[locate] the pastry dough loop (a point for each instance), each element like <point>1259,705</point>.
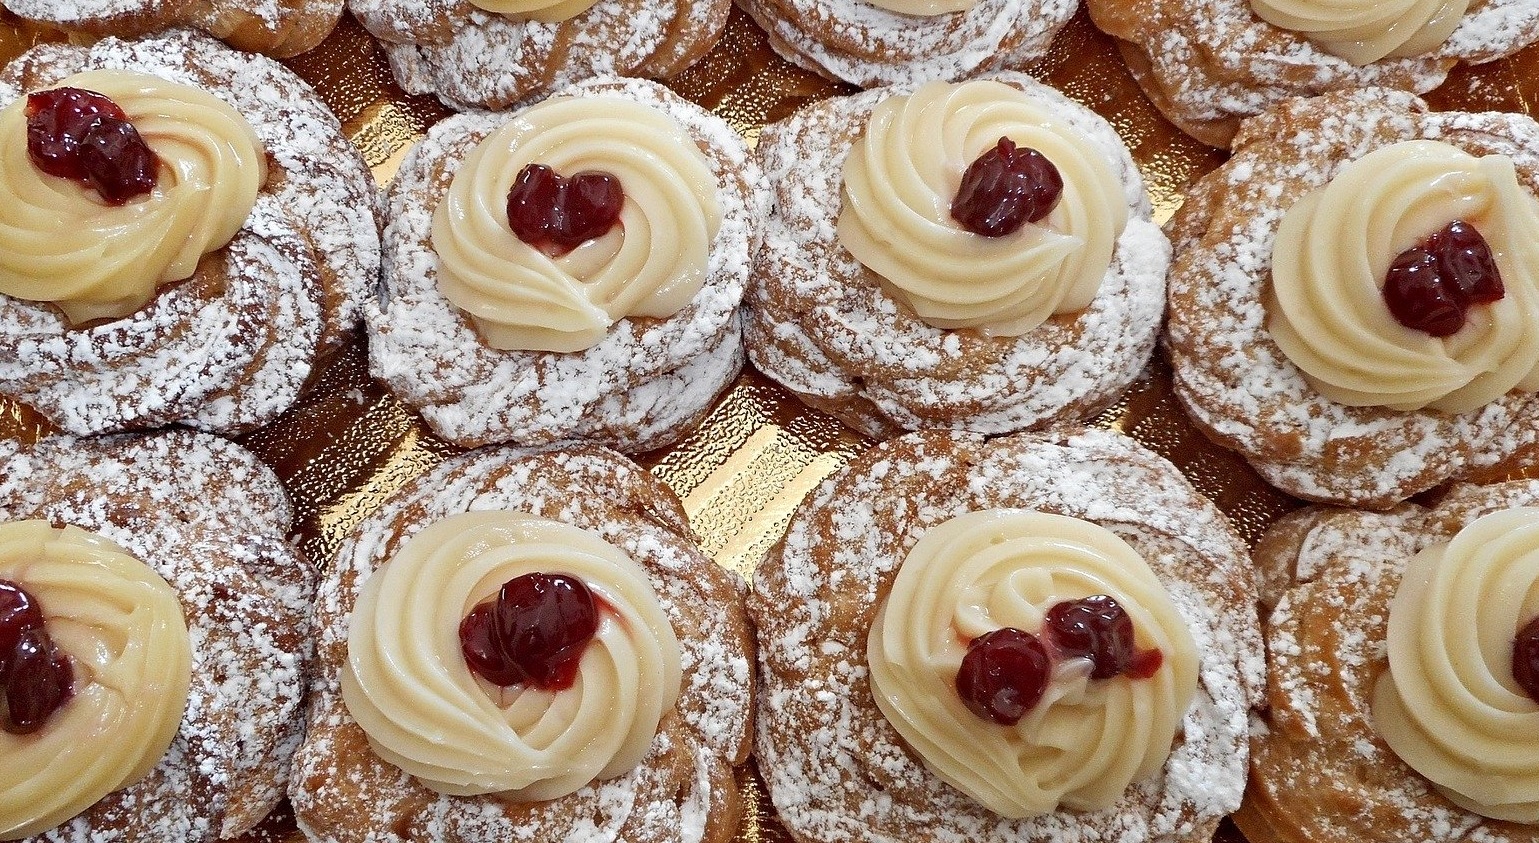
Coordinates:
<point>407,684</point>
<point>900,178</point>
<point>1364,31</point>
<point>1325,306</point>
<point>651,264</point>
<point>1086,741</point>
<point>1448,705</point>
<point>60,243</point>
<point>122,627</point>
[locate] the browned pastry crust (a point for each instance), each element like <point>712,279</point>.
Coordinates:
<point>213,522</point>
<point>820,323</point>
<point>473,58</point>
<point>228,349</point>
<point>1320,773</point>
<point>1230,375</point>
<point>278,28</point>
<point>838,772</point>
<point>342,792</point>
<point>1208,64</point>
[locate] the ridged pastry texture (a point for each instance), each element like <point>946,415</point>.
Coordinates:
<point>820,323</point>
<point>1230,375</point>
<point>645,384</point>
<point>1208,64</point>
<point>278,28</point>
<point>1320,771</point>
<point>837,771</point>
<point>228,349</point>
<point>683,791</point>
<point>213,522</point>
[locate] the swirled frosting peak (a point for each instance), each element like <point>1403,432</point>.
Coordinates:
<point>1364,31</point>
<point>902,174</point>
<point>543,11</point>
<point>924,8</point>
<point>60,243</point>
<point>651,264</point>
<point>1325,305</point>
<point>1085,741</point>
<point>1449,705</point>
<point>122,627</point>
<point>407,684</point>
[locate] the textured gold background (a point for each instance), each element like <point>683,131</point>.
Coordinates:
<point>349,444</point>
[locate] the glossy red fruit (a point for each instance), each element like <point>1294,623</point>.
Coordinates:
<point>116,161</point>
<point>483,656</point>
<point>1095,627</point>
<point>1464,259</point>
<point>1525,659</point>
<point>18,612</point>
<point>36,678</point>
<point>1007,187</point>
<point>542,623</point>
<point>1003,675</point>
<point>1419,297</point>
<point>84,136</point>
<point>559,214</point>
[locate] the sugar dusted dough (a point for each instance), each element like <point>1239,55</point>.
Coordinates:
<point>278,28</point>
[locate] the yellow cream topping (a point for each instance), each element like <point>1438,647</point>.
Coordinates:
<point>408,686</point>
<point>1085,741</point>
<point>900,179</point>
<point>536,10</point>
<point>1325,305</point>
<point>122,627</point>
<point>1364,31</point>
<point>60,243</point>
<point>1449,705</point>
<point>651,264</point>
<point>923,7</point>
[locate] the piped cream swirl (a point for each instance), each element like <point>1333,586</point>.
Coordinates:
<point>924,8</point>
<point>1449,705</point>
<point>543,11</point>
<point>1364,31</point>
<point>902,174</point>
<point>651,264</point>
<point>407,684</point>
<point>60,243</point>
<point>1086,741</point>
<point>122,627</point>
<point>1325,305</point>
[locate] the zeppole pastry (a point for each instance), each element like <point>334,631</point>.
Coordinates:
<point>906,42</point>
<point>976,255</point>
<point>1037,637</point>
<point>154,622</point>
<point>499,53</point>
<point>569,271</point>
<point>1354,304</point>
<point>183,230</point>
<point>1403,684</point>
<point>278,28</point>
<point>527,645</point>
<point>1208,64</point>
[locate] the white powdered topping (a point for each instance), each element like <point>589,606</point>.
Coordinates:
<point>643,385</point>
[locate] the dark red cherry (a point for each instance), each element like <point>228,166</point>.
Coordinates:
<point>1006,188</point>
<point>1464,259</point>
<point>1525,659</point>
<point>1096,628</point>
<point>1419,297</point>
<point>38,682</point>
<point>117,162</point>
<point>84,136</point>
<point>559,214</point>
<point>481,654</point>
<point>17,613</point>
<point>1003,675</point>
<point>541,623</point>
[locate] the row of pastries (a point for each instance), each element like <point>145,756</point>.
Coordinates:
<point>995,625</point>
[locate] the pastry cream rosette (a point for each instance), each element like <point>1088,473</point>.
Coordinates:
<point>899,181</point>
<point>651,264</point>
<point>1449,705</point>
<point>1325,308</point>
<point>60,243</point>
<point>1085,741</point>
<point>122,627</point>
<point>1364,31</point>
<point>408,686</point>
<point>923,8</point>
<point>543,11</point>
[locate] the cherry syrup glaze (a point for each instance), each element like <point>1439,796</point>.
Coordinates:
<point>1525,659</point>
<point>1431,286</point>
<point>533,633</point>
<point>1007,187</point>
<point>37,679</point>
<point>85,137</point>
<point>557,214</point>
<point>1005,672</point>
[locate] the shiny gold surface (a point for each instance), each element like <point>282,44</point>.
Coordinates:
<point>349,444</point>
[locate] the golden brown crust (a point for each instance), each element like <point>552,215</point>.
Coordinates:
<point>279,29</point>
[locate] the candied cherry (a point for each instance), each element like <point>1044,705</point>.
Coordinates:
<point>1005,188</point>
<point>1003,675</point>
<point>1096,628</point>
<point>1430,287</point>
<point>533,633</point>
<point>37,679</point>
<point>1525,659</point>
<point>84,136</point>
<point>557,214</point>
